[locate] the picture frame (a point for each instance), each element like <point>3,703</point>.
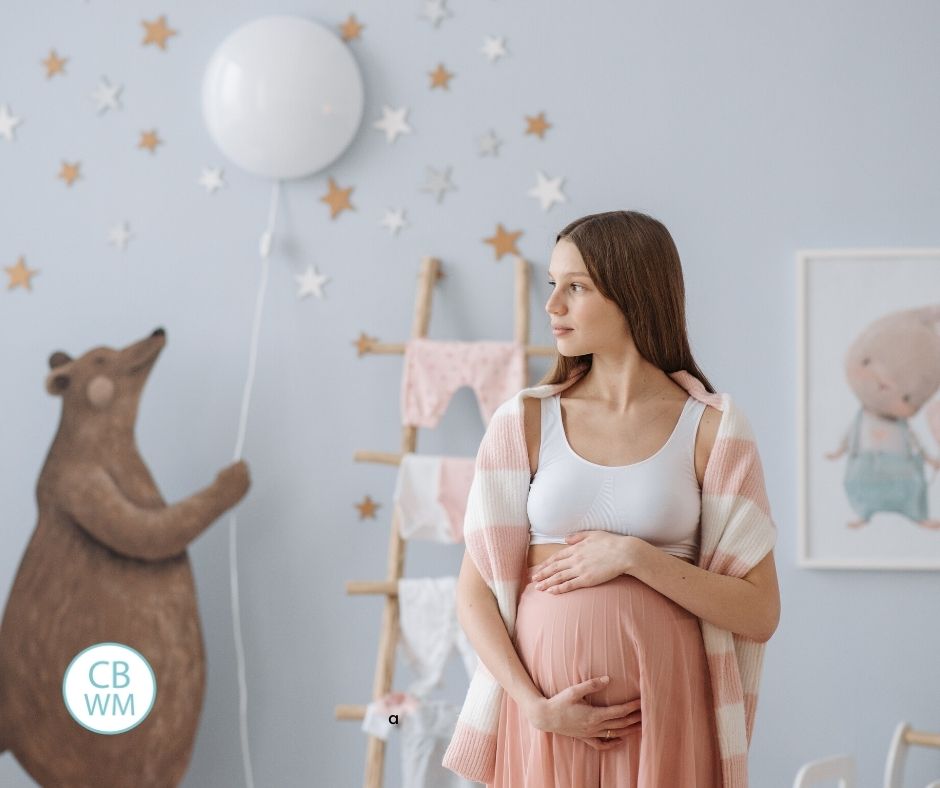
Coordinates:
<point>860,510</point>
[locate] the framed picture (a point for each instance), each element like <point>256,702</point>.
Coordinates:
<point>868,408</point>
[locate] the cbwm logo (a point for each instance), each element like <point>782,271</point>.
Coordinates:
<point>109,688</point>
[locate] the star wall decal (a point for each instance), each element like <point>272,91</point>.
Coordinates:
<point>547,190</point>
<point>337,199</point>
<point>119,235</point>
<point>157,32</point>
<point>211,179</point>
<point>367,508</point>
<point>436,11</point>
<point>494,48</point>
<point>394,220</point>
<point>351,28</point>
<point>70,172</point>
<point>503,242</point>
<point>149,140</point>
<point>440,77</point>
<point>54,64</point>
<point>311,283</point>
<point>438,182</point>
<point>393,123</point>
<point>489,144</point>
<point>364,343</point>
<point>8,123</point>
<point>20,275</point>
<point>537,125</point>
<point>106,95</point>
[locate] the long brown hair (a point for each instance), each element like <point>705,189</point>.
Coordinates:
<point>633,261</point>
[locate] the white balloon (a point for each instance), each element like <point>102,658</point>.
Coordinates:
<point>282,97</point>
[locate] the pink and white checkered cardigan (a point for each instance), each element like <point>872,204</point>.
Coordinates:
<point>737,532</point>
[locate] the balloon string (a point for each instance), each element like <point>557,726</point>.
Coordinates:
<point>265,249</point>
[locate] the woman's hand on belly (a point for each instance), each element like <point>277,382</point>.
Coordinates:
<point>568,714</point>
<point>592,558</point>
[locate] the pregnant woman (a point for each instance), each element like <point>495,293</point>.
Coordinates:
<point>619,581</point>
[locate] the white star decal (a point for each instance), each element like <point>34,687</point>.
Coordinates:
<point>106,95</point>
<point>393,123</point>
<point>8,122</point>
<point>211,179</point>
<point>548,191</point>
<point>438,182</point>
<point>435,11</point>
<point>311,283</point>
<point>489,144</point>
<point>494,48</point>
<point>394,220</point>
<point>119,235</point>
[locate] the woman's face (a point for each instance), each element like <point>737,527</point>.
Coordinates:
<point>596,323</point>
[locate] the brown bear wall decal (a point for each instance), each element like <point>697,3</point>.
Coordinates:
<point>107,562</point>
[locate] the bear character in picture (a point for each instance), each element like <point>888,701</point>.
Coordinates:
<point>106,563</point>
<point>893,368</point>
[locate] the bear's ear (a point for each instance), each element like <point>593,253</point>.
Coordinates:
<point>57,382</point>
<point>59,358</point>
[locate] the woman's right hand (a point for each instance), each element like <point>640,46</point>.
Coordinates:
<point>566,713</point>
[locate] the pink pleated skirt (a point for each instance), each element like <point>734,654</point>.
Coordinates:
<point>652,649</point>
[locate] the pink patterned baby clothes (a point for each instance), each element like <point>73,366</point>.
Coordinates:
<point>434,370</point>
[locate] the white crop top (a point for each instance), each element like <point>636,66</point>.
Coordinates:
<point>657,499</point>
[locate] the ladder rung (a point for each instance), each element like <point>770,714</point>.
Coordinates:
<point>387,587</point>
<point>390,348</point>
<point>387,457</point>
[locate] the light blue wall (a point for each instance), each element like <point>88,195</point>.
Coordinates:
<point>749,129</point>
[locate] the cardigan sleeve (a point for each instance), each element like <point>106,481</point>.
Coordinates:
<point>496,533</point>
<point>496,524</point>
<point>737,532</point>
<point>734,500</point>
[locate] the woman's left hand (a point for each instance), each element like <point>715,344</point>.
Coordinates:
<point>594,557</point>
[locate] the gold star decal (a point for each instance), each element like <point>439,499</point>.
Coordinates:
<point>19,274</point>
<point>54,64</point>
<point>149,140</point>
<point>364,343</point>
<point>503,242</point>
<point>537,125</point>
<point>70,172</point>
<point>367,508</point>
<point>157,32</point>
<point>337,199</point>
<point>351,28</point>
<point>440,77</point>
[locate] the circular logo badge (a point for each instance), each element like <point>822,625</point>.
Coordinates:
<point>109,688</point>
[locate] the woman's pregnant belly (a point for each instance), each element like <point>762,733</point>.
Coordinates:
<point>623,628</point>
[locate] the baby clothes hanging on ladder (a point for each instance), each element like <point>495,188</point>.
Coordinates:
<point>377,713</point>
<point>425,734</point>
<point>431,496</point>
<point>430,630</point>
<point>434,370</point>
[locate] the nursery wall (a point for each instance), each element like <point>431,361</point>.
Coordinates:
<point>750,130</point>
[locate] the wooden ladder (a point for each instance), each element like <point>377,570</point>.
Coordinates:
<point>388,635</point>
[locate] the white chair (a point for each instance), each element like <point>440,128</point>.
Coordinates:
<point>904,737</point>
<point>836,767</point>
<point>842,767</point>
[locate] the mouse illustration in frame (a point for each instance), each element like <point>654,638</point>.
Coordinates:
<point>893,367</point>
<point>107,562</point>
